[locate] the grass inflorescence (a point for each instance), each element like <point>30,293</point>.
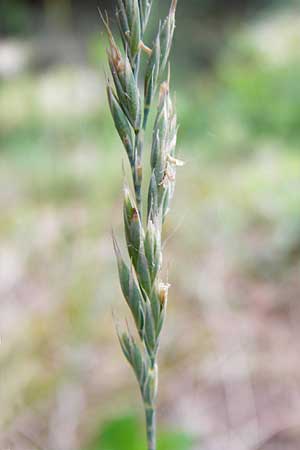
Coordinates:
<point>141,281</point>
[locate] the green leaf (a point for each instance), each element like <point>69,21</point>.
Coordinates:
<point>175,441</point>
<point>126,432</point>
<point>121,433</point>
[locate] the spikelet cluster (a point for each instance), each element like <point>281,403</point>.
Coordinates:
<point>144,291</point>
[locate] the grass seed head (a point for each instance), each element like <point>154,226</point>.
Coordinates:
<point>140,279</point>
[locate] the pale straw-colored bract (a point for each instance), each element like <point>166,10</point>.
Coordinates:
<point>143,289</point>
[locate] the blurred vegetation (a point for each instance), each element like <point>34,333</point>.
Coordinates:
<point>126,432</point>
<point>14,17</point>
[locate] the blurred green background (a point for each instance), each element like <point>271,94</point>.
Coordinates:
<point>229,360</point>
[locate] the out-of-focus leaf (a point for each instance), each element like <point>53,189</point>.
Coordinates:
<point>121,433</point>
<point>175,441</point>
<point>128,433</point>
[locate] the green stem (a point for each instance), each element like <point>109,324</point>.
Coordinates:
<point>151,428</point>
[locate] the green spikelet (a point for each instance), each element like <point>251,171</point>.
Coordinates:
<point>140,277</point>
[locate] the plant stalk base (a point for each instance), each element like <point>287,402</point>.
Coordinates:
<point>151,428</point>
